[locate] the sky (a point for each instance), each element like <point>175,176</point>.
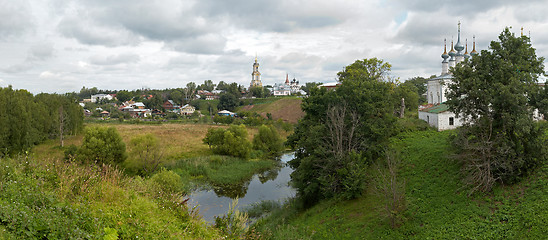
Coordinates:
<point>63,45</point>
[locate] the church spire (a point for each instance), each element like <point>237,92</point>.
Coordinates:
<point>473,52</point>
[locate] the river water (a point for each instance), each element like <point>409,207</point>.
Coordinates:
<point>272,184</point>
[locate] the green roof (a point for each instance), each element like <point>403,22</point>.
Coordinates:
<point>437,109</point>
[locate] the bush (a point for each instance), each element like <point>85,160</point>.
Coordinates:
<point>168,181</point>
<point>103,145</point>
<point>145,154</point>
<point>268,140</point>
<point>232,141</point>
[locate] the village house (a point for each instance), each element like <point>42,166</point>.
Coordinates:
<point>170,106</point>
<point>187,109</point>
<point>98,97</point>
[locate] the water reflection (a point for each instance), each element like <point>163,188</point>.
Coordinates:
<point>268,185</point>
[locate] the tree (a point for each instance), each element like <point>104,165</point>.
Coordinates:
<point>145,154</point>
<point>268,140</point>
<point>208,85</point>
<point>419,85</point>
<point>342,132</point>
<point>102,145</point>
<point>123,96</point>
<point>257,91</point>
<point>494,92</point>
<point>176,96</point>
<point>309,85</point>
<point>232,141</point>
<point>189,91</point>
<point>227,101</point>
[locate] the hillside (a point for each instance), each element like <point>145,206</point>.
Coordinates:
<point>438,205</point>
<point>287,109</point>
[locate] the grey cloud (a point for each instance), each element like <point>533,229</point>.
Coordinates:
<point>114,59</point>
<point>88,32</point>
<point>36,54</point>
<point>264,15</point>
<point>16,18</point>
<point>203,44</point>
<point>41,51</point>
<point>459,8</point>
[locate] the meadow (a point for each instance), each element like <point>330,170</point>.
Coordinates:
<point>62,199</point>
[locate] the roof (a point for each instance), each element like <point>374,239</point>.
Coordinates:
<point>437,108</point>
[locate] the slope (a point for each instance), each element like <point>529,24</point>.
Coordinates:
<point>438,205</point>
<point>287,109</point>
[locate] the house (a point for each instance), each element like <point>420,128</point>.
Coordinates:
<point>226,113</point>
<point>187,109</point>
<point>105,114</point>
<point>170,106</point>
<point>135,109</point>
<point>99,97</point>
<point>440,117</point>
<point>330,86</point>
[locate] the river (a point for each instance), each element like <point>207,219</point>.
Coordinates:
<point>272,184</point>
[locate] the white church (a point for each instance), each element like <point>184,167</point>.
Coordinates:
<point>436,112</point>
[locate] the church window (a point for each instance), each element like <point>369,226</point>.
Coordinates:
<point>451,121</point>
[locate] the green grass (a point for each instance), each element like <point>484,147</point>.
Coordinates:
<point>438,205</point>
<point>53,199</point>
<point>220,170</point>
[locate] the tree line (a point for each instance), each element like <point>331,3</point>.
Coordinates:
<point>27,120</point>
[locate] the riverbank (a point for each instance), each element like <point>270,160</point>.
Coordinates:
<point>438,205</point>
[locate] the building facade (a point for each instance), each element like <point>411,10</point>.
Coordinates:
<point>436,112</point>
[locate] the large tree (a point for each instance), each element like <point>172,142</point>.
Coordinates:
<point>342,131</point>
<point>495,93</point>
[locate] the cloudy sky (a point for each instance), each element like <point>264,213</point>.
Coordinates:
<point>62,45</point>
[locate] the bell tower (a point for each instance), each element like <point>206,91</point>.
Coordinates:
<point>256,75</point>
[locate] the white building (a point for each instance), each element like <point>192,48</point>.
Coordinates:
<point>436,112</point>
<point>287,88</point>
<point>100,97</point>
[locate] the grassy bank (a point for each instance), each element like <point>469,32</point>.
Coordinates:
<point>48,198</point>
<point>438,205</point>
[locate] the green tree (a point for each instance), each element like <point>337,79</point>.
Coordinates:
<point>232,141</point>
<point>342,132</point>
<point>268,140</point>
<point>228,101</point>
<point>309,86</point>
<point>102,145</point>
<point>189,91</point>
<point>418,84</point>
<point>208,85</point>
<point>145,155</point>
<point>494,92</point>
<point>123,96</point>
<point>257,91</point>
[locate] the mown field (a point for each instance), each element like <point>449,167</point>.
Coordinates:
<point>288,108</point>
<point>438,205</point>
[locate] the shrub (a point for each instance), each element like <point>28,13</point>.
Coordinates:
<point>268,140</point>
<point>168,181</point>
<point>103,145</point>
<point>232,141</point>
<point>145,154</point>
